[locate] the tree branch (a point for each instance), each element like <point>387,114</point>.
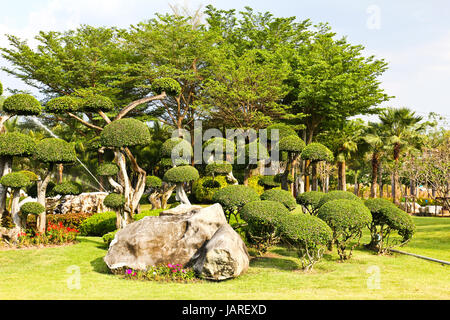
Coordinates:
<point>136,103</point>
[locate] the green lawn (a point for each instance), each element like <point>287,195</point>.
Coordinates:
<point>43,274</point>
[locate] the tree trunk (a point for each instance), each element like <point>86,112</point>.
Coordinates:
<point>373,187</point>
<point>155,200</point>
<point>60,168</point>
<point>314,176</point>
<point>181,194</point>
<point>307,185</point>
<point>41,191</point>
<point>342,183</point>
<point>6,168</point>
<point>15,209</point>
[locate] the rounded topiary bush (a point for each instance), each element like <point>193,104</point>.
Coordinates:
<point>263,218</point>
<point>346,218</point>
<point>218,168</point>
<point>16,144</point>
<point>336,195</point>
<point>178,147</point>
<point>310,200</point>
<point>53,150</point>
<point>168,85</point>
<point>234,197</point>
<point>114,201</point>
<point>308,235</point>
<point>283,131</point>
<point>153,182</point>
<point>107,169</point>
<point>291,143</point>
<point>68,188</point>
<point>399,220</point>
<point>269,182</point>
<point>96,103</point>
<point>126,132</point>
<point>15,180</point>
<point>31,175</point>
<point>204,188</point>
<point>282,196</point>
<point>317,152</point>
<point>98,224</point>
<point>220,145</point>
<point>22,104</point>
<point>63,104</point>
<point>32,208</point>
<point>181,174</point>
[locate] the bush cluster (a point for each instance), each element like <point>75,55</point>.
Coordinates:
<point>291,143</point>
<point>269,182</point>
<point>16,144</point>
<point>15,180</point>
<point>53,150</point>
<point>34,208</point>
<point>68,188</point>
<point>127,132</point>
<point>96,103</point>
<point>98,224</point>
<point>218,168</point>
<point>114,201</point>
<point>283,131</point>
<point>181,174</point>
<point>22,104</point>
<point>153,182</point>
<point>202,190</point>
<point>234,197</point>
<point>178,146</point>
<point>317,152</point>
<point>63,104</point>
<point>282,196</point>
<point>337,195</point>
<point>310,200</point>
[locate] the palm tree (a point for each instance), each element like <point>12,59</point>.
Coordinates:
<point>402,131</point>
<point>375,140</point>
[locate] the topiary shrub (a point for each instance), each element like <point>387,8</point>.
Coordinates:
<point>16,144</point>
<point>268,182</point>
<point>204,188</point>
<point>98,224</point>
<point>63,104</point>
<point>15,180</point>
<point>107,169</point>
<point>153,182</point>
<point>263,218</point>
<point>109,237</point>
<point>233,198</point>
<point>292,144</point>
<point>386,220</point>
<point>317,152</point>
<point>96,103</point>
<point>336,195</point>
<point>180,148</point>
<point>308,234</point>
<point>282,196</point>
<point>218,168</point>
<point>283,131</point>
<point>346,219</point>
<point>22,104</point>
<point>126,132</point>
<point>114,201</point>
<point>53,150</point>
<point>168,85</point>
<point>34,208</point>
<point>310,200</point>
<point>31,175</point>
<point>219,147</point>
<point>68,188</point>
<point>178,176</point>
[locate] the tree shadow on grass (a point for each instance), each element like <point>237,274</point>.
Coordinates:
<point>100,245</point>
<point>274,262</point>
<point>100,266</point>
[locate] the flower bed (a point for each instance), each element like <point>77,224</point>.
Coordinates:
<point>55,234</point>
<point>163,273</point>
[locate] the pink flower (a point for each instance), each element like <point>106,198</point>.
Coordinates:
<point>170,266</point>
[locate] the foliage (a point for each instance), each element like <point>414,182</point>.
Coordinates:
<point>234,197</point>
<point>170,86</point>
<point>32,190</point>
<point>1,89</point>
<point>181,174</point>
<point>16,144</point>
<point>346,218</point>
<point>219,147</point>
<point>54,234</point>
<point>284,131</point>
<point>310,200</point>
<point>107,169</point>
<point>317,152</point>
<point>263,218</point>
<point>109,237</point>
<point>268,182</point>
<point>126,132</point>
<point>164,273</point>
<point>114,201</point>
<point>253,182</point>
<point>178,146</point>
<point>218,168</point>
<point>31,175</point>
<point>292,144</point>
<point>282,196</point>
<point>203,193</point>
<point>22,104</point>
<point>337,194</point>
<point>98,224</point>
<point>32,208</point>
<point>70,220</point>
<point>153,182</point>
<point>54,150</point>
<point>211,184</point>
<point>308,235</point>
<point>15,180</point>
<point>63,104</point>
<point>68,188</point>
<point>96,103</point>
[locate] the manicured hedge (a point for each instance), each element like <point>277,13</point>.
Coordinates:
<point>218,168</point>
<point>53,150</point>
<point>22,104</point>
<point>126,132</point>
<point>291,143</point>
<point>235,196</point>
<point>68,188</point>
<point>180,147</point>
<point>269,182</point>
<point>219,144</point>
<point>98,224</point>
<point>153,182</point>
<point>16,144</point>
<point>96,103</point>
<point>15,180</point>
<point>282,196</point>
<point>310,200</point>
<point>337,194</point>
<point>32,208</point>
<point>63,104</point>
<point>114,201</point>
<point>168,85</point>
<point>283,131</point>
<point>317,152</point>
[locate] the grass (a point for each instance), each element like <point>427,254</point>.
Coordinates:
<point>44,274</point>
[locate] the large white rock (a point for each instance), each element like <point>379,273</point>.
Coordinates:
<point>91,202</point>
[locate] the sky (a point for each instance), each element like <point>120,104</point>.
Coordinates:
<point>412,36</point>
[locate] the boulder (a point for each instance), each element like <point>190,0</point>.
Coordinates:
<point>164,239</point>
<point>180,209</point>
<point>224,256</point>
<point>91,202</point>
